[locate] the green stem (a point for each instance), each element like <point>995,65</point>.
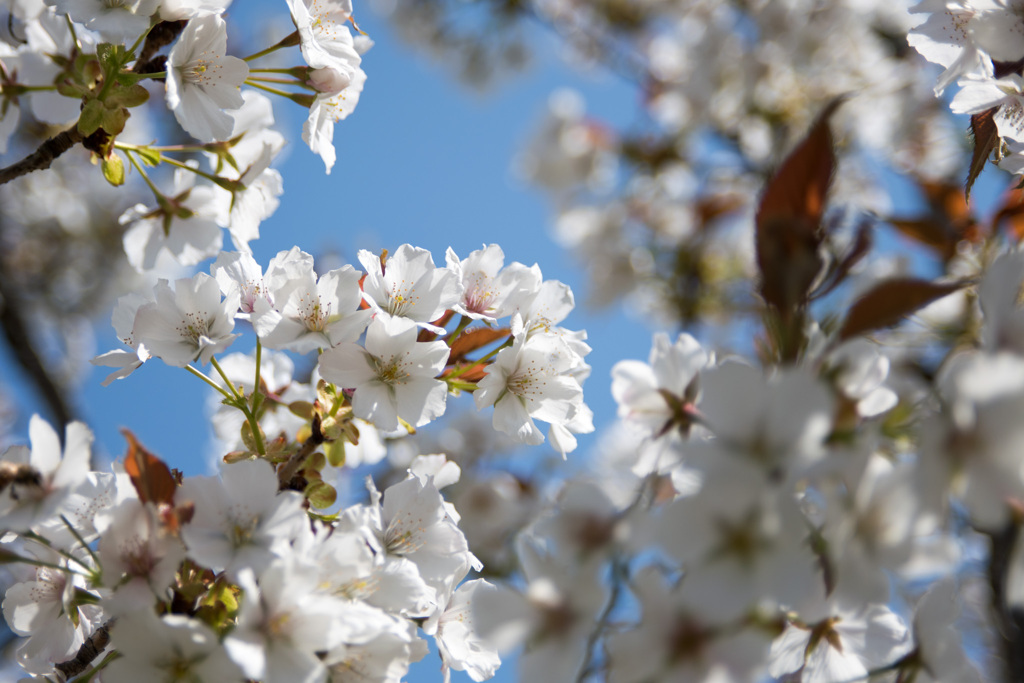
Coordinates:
<point>288,41</point>
<point>256,384</point>
<point>464,322</point>
<point>138,167</point>
<point>43,541</point>
<point>224,376</point>
<point>74,36</point>
<point>78,537</point>
<point>244,407</point>
<point>138,41</point>
<point>272,91</point>
<point>460,385</point>
<point>202,174</point>
<point>272,71</point>
<point>200,375</point>
<point>139,77</point>
<point>282,81</point>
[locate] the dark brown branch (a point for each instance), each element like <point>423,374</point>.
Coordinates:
<point>90,650</point>
<point>18,337</point>
<point>42,157</point>
<point>1007,619</point>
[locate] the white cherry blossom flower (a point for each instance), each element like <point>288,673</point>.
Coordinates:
<point>138,556</point>
<point>43,610</point>
<point>188,323</point>
<point>176,10</point>
<point>203,81</point>
<point>529,381</point>
<point>123,320</point>
<point>241,520</point>
<point>324,35</point>
<point>394,376</point>
<point>461,648</point>
<point>944,38</point>
<point>490,290</point>
<point>409,286</point>
<point>681,642</point>
<point>307,313</point>
<point>326,110</point>
<point>287,619</point>
<point>980,93</point>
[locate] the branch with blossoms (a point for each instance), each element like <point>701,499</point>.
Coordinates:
<point>249,568</point>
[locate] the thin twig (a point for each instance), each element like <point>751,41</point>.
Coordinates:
<point>291,467</point>
<point>42,157</point>
<point>90,650</point>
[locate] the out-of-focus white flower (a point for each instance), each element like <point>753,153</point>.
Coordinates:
<point>203,81</point>
<point>840,642</point>
<point>138,557</point>
<point>48,480</point>
<point>176,10</point>
<point>680,642</point>
<point>172,647</point>
<point>44,609</point>
<point>117,22</point>
<point>189,239</point>
<point>938,643</point>
<point>656,395</point>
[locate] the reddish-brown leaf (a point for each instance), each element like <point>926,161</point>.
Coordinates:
<point>471,340</point>
<point>789,218</point>
<point>1011,215</point>
<point>937,235</point>
<point>986,138</point>
<point>151,478</point>
<point>890,301</point>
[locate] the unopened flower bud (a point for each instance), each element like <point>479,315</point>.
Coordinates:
<point>329,81</point>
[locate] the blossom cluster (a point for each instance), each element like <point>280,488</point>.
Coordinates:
<point>239,576</point>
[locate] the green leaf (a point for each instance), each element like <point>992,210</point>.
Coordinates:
<point>247,437</point>
<point>111,56</point>
<point>91,118</point>
<point>114,120</point>
<point>113,169</point>
<point>321,495</point>
<point>127,96</point>
<point>303,409</point>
